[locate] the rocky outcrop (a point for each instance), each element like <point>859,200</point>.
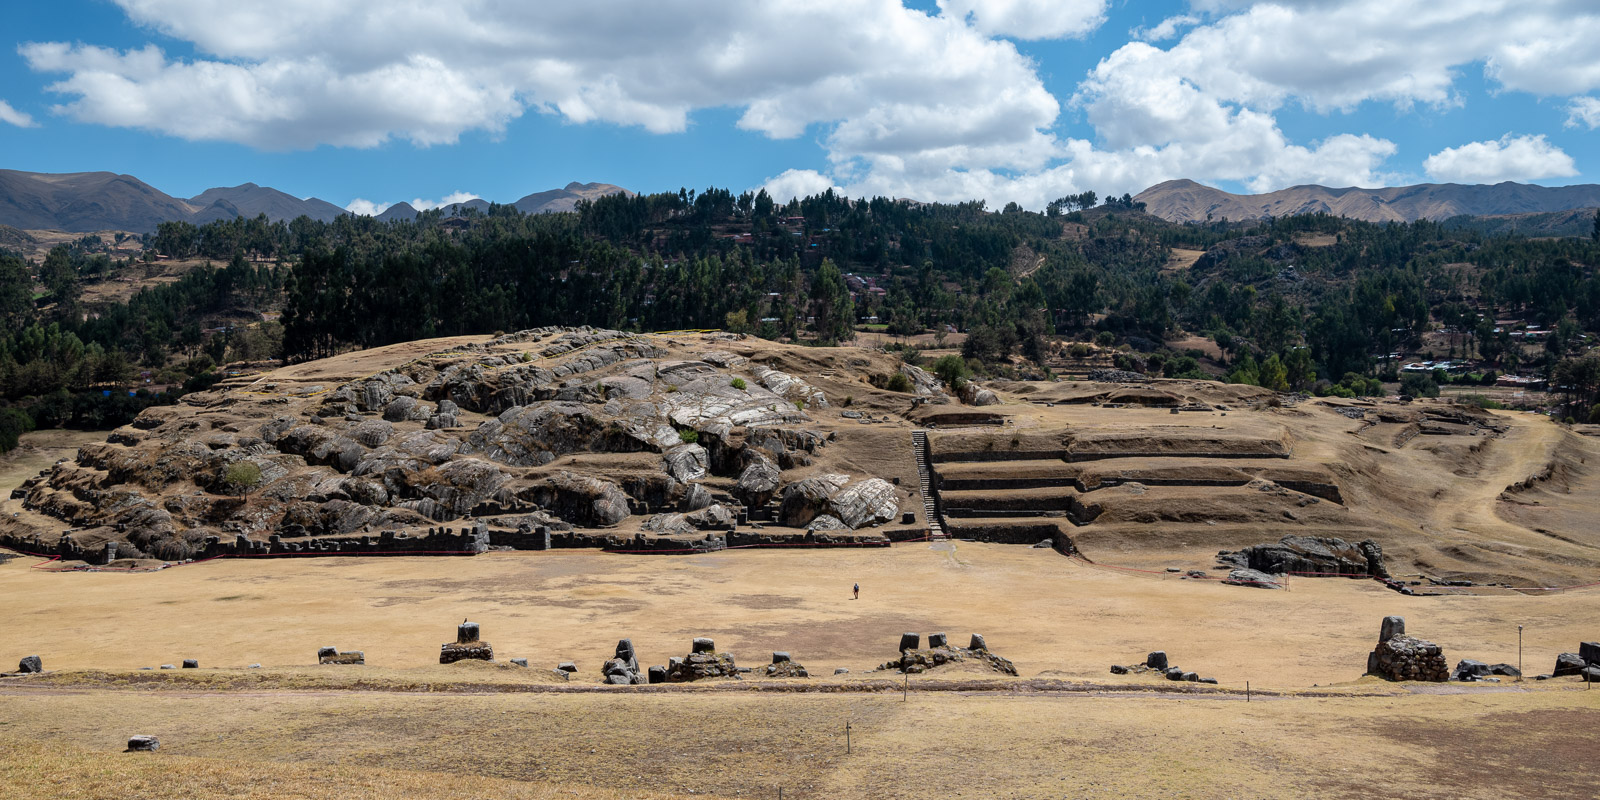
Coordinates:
<point>867,503</point>
<point>804,500</point>
<point>685,463</point>
<point>1399,657</point>
<point>923,383</point>
<point>586,501</point>
<point>974,395</point>
<point>1312,556</point>
<point>758,482</point>
<point>1254,579</point>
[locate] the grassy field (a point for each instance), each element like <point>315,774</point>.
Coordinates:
<point>1477,744</point>
<point>1053,616</point>
<point>37,451</point>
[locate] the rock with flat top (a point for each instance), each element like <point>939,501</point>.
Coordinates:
<point>143,744</point>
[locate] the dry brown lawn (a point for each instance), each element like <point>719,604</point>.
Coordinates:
<point>1049,614</point>
<point>1482,744</point>
<point>37,451</point>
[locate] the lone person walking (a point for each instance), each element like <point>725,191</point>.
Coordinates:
<point>857,591</point>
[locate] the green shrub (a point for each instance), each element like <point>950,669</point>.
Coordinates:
<point>953,370</point>
<point>898,382</point>
<point>737,383</point>
<point>688,437</point>
<point>1418,385</point>
<point>242,476</point>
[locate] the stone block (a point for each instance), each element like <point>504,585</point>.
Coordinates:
<point>30,664</point>
<point>467,633</point>
<point>190,663</point>
<point>1392,627</point>
<point>937,640</point>
<point>143,744</point>
<point>1156,660</point>
<point>910,641</point>
<point>977,643</point>
<point>703,645</point>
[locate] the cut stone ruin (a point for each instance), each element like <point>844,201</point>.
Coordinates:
<point>333,655</point>
<point>467,646</point>
<point>1399,657</point>
<point>1157,662</point>
<point>783,666</point>
<point>623,669</point>
<point>143,744</point>
<point>703,662</point>
<point>30,665</point>
<point>915,659</point>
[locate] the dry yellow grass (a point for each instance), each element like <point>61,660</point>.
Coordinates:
<point>34,770</point>
<point>37,451</point>
<point>1049,614</point>
<point>1476,745</point>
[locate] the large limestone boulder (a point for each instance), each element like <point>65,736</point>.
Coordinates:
<point>1316,555</point>
<point>807,499</point>
<point>586,501</point>
<point>758,482</point>
<point>686,462</point>
<point>873,501</point>
<point>974,395</point>
<point>923,383</point>
<point>532,436</point>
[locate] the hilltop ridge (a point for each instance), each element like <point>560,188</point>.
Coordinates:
<point>1188,201</point>
<point>85,202</point>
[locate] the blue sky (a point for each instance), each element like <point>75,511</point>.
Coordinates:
<point>382,101</point>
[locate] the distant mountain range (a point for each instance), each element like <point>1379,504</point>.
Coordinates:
<point>83,202</point>
<point>1187,201</point>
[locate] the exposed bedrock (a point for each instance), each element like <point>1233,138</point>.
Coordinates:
<point>1312,556</point>
<point>873,501</point>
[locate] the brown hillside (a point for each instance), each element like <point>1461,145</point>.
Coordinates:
<point>1187,201</point>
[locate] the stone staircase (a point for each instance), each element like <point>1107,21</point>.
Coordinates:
<point>919,443</point>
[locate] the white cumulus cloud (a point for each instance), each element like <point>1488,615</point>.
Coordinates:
<point>1584,111</point>
<point>448,200</point>
<point>1511,158</point>
<point>366,208</point>
<point>1029,19</point>
<point>12,116</point>
<point>1164,30</point>
<point>938,106</point>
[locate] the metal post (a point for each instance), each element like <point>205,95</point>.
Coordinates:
<point>1519,654</point>
<point>905,692</point>
<point>847,736</point>
<point>1247,691</point>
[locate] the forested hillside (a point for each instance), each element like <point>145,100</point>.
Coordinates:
<point>1299,303</point>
